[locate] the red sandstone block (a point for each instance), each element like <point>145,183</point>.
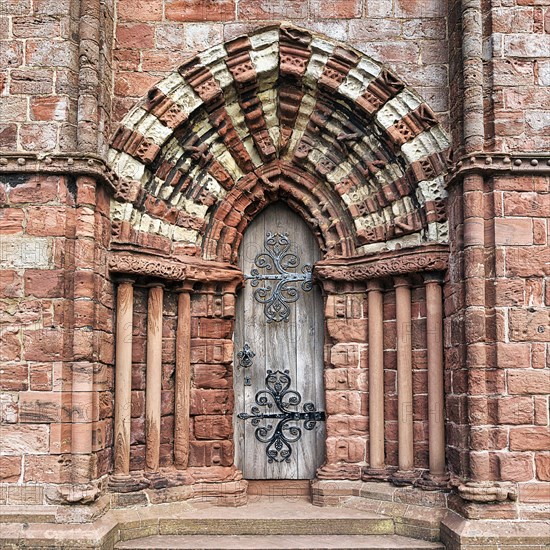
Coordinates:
<point>10,468</point>
<point>211,402</point>
<point>46,221</point>
<point>342,425</point>
<point>43,345</point>
<point>49,108</point>
<point>11,221</point>
<point>40,377</point>
<point>542,464</point>
<point>213,427</point>
<point>528,382</point>
<point>10,350</point>
<point>344,356</point>
<point>347,330</point>
<point>139,35</point>
<point>541,410</point>
<point>31,81</point>
<point>156,60</point>
<point>515,410</point>
<point>250,10</point>
<point>338,402</point>
<point>339,379</point>
<point>44,283</point>
<point>528,262</point>
<point>534,492</point>
<point>530,324</point>
<point>341,9</point>
<point>43,407</point>
<point>419,8</point>
<point>517,231</point>
<point>530,439</point>
<point>210,453</point>
<point>35,189</point>
<point>14,377</point>
<point>10,284</point>
<point>139,10</point>
<point>212,328</point>
<point>526,204</point>
<point>345,449</point>
<point>38,137</point>
<point>134,84</point>
<point>540,232</point>
<point>198,10</point>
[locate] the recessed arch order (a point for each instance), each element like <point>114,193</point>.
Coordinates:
<point>281,114</point>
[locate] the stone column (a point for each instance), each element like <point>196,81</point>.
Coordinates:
<point>437,476</point>
<point>153,389</point>
<point>183,379</point>
<point>405,473</point>
<point>376,469</point>
<point>123,384</point>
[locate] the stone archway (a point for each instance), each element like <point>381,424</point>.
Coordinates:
<point>364,155</point>
<point>285,115</point>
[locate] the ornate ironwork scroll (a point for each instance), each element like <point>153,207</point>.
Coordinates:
<point>245,357</point>
<point>279,259</point>
<point>280,437</point>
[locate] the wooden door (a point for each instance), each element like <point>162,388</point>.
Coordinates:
<point>278,364</point>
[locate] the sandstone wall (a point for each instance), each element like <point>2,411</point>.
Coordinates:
<point>57,300</point>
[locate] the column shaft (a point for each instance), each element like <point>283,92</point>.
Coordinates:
<point>434,305</point>
<point>153,391</point>
<point>376,374</point>
<point>123,377</point>
<point>183,381</point>
<point>404,375</point>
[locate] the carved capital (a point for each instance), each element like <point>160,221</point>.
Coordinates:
<point>389,264</point>
<point>166,269</point>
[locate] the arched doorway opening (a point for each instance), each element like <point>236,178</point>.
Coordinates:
<point>278,367</point>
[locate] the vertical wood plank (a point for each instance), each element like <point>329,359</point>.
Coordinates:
<point>296,346</point>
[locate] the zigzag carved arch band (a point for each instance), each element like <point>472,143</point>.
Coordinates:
<point>281,114</point>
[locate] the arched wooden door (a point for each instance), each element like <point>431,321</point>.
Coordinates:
<point>278,374</point>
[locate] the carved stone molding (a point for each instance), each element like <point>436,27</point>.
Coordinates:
<point>395,262</point>
<point>163,268</point>
<point>487,491</point>
<point>489,163</point>
<point>75,164</point>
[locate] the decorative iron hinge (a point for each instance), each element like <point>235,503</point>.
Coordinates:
<point>278,258</point>
<point>280,437</point>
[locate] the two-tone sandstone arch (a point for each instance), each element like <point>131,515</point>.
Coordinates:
<point>280,114</point>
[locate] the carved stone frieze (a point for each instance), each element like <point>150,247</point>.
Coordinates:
<point>499,163</point>
<point>397,262</point>
<point>124,262</point>
<point>75,164</point>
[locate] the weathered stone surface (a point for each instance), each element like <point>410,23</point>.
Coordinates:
<point>18,440</point>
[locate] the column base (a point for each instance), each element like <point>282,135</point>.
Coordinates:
<point>376,474</point>
<point>404,477</point>
<point>121,483</point>
<point>432,482</point>
<point>342,471</point>
<point>156,480</point>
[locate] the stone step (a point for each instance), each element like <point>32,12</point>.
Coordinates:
<point>275,542</point>
<point>275,516</point>
<point>28,514</point>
